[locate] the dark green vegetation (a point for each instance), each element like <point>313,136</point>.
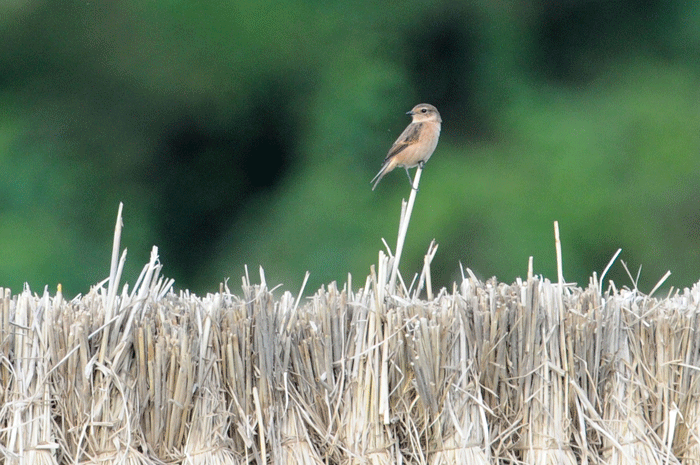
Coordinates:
<point>247,132</point>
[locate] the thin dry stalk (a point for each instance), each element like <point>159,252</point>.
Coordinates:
<point>312,397</point>
<point>443,366</point>
<point>28,409</point>
<point>207,441</point>
<point>406,210</point>
<point>364,427</point>
<point>686,443</point>
<point>624,400</point>
<point>295,442</point>
<point>544,397</point>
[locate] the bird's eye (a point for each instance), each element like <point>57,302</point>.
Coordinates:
<point>424,110</point>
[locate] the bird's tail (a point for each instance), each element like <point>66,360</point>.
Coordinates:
<point>385,169</point>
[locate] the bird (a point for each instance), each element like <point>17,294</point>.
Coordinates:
<point>416,143</point>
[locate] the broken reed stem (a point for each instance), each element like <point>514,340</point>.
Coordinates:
<point>425,274</point>
<point>406,210</point>
<point>114,275</point>
<point>557,245</point>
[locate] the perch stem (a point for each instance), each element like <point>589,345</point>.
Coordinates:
<point>403,228</point>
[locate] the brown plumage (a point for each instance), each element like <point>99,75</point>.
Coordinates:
<point>416,143</point>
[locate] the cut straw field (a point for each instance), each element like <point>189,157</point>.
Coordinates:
<point>531,372</point>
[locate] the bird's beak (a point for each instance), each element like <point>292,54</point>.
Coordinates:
<point>410,113</point>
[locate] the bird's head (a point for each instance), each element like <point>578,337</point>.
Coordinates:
<point>424,112</point>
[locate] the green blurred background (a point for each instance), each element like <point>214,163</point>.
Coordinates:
<point>246,132</point>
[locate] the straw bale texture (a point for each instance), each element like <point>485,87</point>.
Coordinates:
<point>531,372</point>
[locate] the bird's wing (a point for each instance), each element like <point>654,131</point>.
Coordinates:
<point>408,137</point>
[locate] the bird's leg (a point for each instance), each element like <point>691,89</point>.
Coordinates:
<point>421,164</point>
<point>410,181</point>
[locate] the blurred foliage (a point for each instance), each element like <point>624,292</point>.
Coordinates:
<point>247,132</point>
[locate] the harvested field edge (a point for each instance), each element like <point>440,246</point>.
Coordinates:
<point>531,372</point>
